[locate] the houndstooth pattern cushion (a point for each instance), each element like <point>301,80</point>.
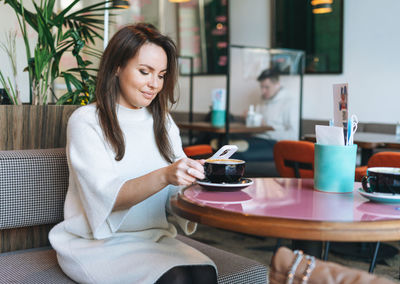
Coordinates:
<point>32,266</point>
<point>33,185</point>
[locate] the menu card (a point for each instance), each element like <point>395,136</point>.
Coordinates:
<point>340,106</point>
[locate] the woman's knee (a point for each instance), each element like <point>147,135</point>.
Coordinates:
<point>201,274</point>
<point>204,274</point>
<point>176,275</point>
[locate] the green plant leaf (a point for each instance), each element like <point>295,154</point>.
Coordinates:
<point>61,16</point>
<point>29,17</point>
<point>59,33</point>
<point>45,37</point>
<point>9,89</point>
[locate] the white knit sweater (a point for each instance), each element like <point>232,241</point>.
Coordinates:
<point>137,245</point>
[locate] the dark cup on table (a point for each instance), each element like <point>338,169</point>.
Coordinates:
<point>224,170</point>
<point>382,180</point>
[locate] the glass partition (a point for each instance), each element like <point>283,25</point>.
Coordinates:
<point>245,87</point>
<point>203,34</point>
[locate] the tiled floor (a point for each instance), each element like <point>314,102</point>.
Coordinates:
<point>260,249</point>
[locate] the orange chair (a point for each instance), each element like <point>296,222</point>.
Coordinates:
<point>200,151</point>
<point>294,158</point>
<point>381,159</point>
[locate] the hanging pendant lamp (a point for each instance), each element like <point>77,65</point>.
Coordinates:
<point>179,1</point>
<point>321,6</point>
<point>124,4</point>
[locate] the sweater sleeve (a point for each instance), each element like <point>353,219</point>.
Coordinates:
<point>187,226</point>
<point>92,166</point>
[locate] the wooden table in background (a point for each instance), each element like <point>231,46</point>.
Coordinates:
<point>368,141</point>
<point>234,128</point>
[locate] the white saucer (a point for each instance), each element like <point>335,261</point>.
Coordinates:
<point>380,197</point>
<point>244,182</point>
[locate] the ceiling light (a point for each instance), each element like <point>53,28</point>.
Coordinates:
<point>321,6</point>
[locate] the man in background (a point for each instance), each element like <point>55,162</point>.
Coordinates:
<point>278,110</point>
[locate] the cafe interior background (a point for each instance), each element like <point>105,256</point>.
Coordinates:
<point>368,57</point>
<point>370,60</point>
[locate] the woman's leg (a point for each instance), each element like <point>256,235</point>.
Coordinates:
<point>176,275</point>
<point>201,274</point>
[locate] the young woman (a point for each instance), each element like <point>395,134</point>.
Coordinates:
<point>125,159</point>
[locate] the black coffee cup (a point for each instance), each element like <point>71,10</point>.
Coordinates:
<point>224,170</point>
<point>382,180</point>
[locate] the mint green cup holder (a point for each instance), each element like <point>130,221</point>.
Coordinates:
<point>334,168</point>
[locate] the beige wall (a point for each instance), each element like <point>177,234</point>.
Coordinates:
<point>8,22</point>
<point>370,65</point>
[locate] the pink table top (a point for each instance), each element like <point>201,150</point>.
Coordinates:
<point>294,199</point>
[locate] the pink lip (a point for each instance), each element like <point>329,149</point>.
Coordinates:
<point>148,96</point>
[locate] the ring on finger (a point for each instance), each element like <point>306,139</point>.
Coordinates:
<point>189,171</point>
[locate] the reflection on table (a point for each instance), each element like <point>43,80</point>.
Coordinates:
<point>291,208</point>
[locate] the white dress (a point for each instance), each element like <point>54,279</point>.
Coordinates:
<point>137,245</point>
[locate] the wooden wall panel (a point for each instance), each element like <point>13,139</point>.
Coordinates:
<point>24,238</point>
<point>33,127</point>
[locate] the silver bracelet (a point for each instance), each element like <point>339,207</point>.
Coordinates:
<point>296,262</point>
<point>310,267</point>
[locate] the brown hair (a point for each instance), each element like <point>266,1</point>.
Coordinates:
<point>271,74</point>
<point>123,46</point>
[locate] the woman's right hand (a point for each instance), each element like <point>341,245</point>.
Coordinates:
<point>185,171</point>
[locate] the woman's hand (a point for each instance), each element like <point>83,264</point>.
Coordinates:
<point>185,171</point>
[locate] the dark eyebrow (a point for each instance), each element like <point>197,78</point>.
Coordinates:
<point>151,68</point>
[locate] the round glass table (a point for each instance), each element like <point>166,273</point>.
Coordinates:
<point>291,208</point>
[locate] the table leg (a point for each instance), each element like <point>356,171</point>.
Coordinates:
<point>222,140</point>
<point>364,251</point>
<point>313,248</point>
<point>191,141</point>
<point>326,250</point>
<point>277,245</point>
<point>373,261</point>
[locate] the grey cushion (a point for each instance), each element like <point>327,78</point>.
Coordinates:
<point>33,185</point>
<point>40,266</point>
<point>232,268</point>
<point>31,267</point>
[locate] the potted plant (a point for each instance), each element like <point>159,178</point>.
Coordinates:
<point>33,125</point>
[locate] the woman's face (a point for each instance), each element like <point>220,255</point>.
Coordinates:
<point>143,77</point>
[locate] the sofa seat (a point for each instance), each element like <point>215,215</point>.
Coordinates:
<point>32,266</point>
<point>32,199</point>
<point>40,265</point>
